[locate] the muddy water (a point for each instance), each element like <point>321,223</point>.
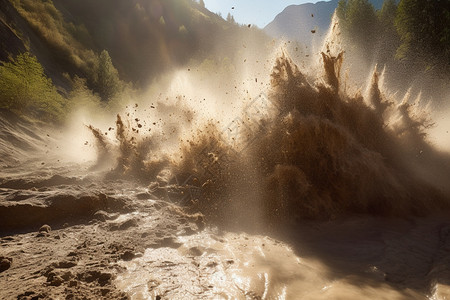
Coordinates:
<point>232,266</point>
<point>362,258</point>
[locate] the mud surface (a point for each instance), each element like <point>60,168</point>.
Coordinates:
<point>67,241</point>
<point>81,238</point>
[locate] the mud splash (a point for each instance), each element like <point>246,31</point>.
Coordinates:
<point>310,152</point>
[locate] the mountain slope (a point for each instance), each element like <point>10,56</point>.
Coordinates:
<point>143,37</point>
<point>302,22</point>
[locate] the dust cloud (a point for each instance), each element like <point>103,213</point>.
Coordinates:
<point>297,145</point>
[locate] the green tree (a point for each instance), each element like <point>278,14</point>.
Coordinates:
<point>424,28</point>
<point>107,82</point>
<point>25,89</point>
<point>388,37</point>
<point>387,14</point>
<point>359,22</point>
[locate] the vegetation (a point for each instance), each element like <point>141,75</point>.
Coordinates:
<point>424,28</point>
<point>70,44</point>
<point>144,37</point>
<point>66,41</point>
<point>359,21</point>
<point>25,89</point>
<point>417,31</point>
<point>388,40</point>
<point>106,77</point>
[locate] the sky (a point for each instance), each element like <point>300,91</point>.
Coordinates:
<point>258,12</point>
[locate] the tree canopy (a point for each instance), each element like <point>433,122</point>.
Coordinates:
<point>359,20</point>
<point>424,28</point>
<point>413,30</point>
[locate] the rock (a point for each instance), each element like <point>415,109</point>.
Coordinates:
<point>101,216</point>
<point>125,225</point>
<point>64,264</point>
<point>127,255</point>
<point>105,291</point>
<point>104,278</point>
<point>42,234</point>
<point>167,242</point>
<point>195,251</point>
<point>54,280</point>
<point>67,276</point>
<point>100,277</point>
<point>104,216</point>
<point>45,228</point>
<point>128,224</point>
<point>73,283</point>
<point>5,263</point>
<point>30,295</point>
<point>189,231</point>
<point>144,196</point>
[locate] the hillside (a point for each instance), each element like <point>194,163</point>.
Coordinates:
<point>143,38</point>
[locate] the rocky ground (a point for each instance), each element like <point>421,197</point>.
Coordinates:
<point>62,238</point>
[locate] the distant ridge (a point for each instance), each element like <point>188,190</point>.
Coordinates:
<point>306,22</point>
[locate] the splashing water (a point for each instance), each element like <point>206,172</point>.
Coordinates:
<point>315,152</point>
<point>308,148</point>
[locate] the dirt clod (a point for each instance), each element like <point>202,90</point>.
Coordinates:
<point>5,263</point>
<point>127,255</point>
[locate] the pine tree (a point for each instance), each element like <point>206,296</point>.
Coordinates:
<point>107,81</point>
<point>424,27</point>
<point>359,22</point>
<point>389,40</point>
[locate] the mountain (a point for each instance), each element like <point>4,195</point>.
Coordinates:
<point>306,22</point>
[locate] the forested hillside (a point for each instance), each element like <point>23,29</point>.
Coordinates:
<point>102,47</point>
